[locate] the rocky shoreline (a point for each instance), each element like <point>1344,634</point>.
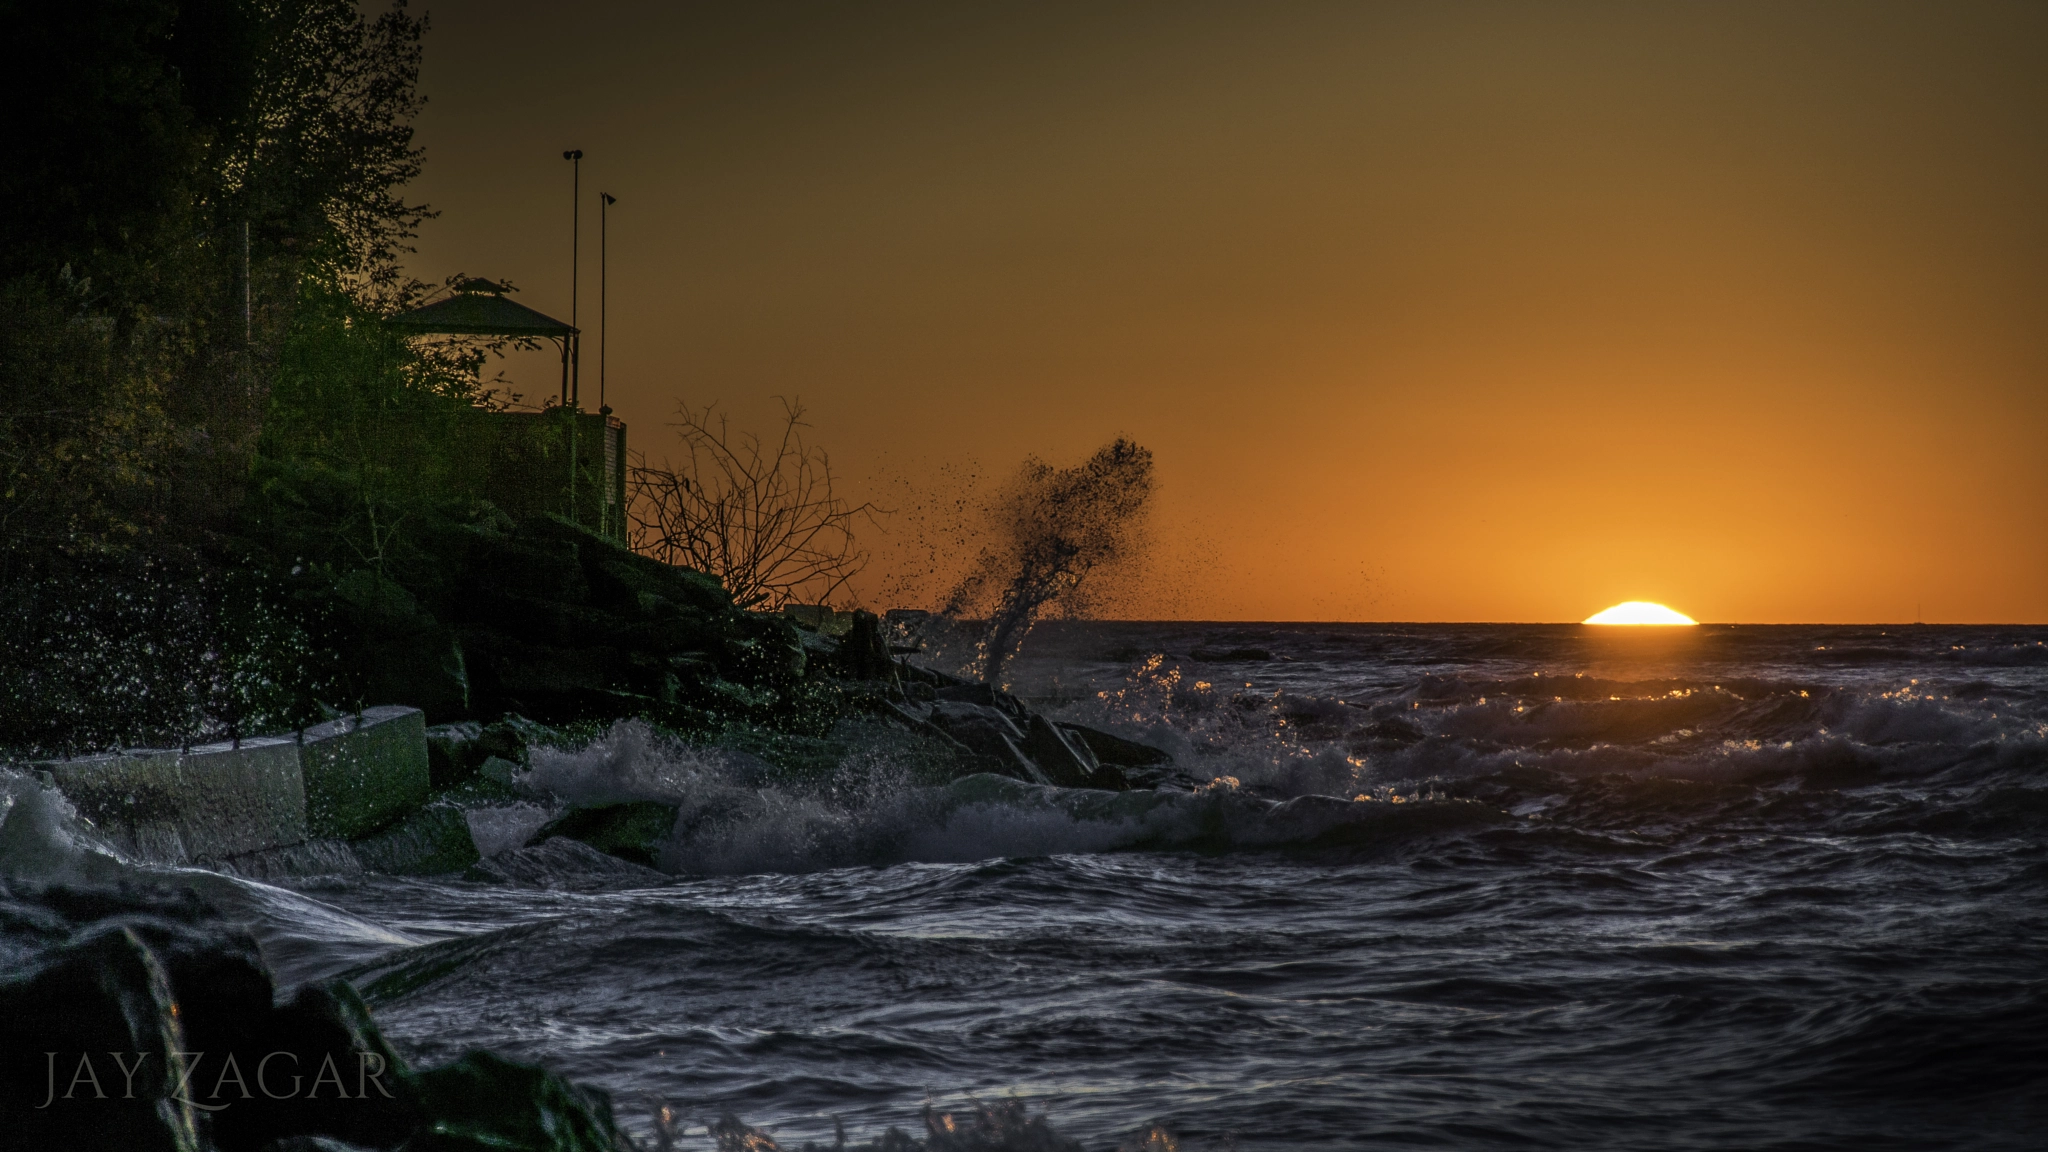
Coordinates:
<point>544,633</point>
<point>529,636</point>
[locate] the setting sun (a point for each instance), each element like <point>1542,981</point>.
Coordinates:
<point>1639,612</point>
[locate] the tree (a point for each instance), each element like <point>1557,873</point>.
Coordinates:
<point>150,138</point>
<point>1053,528</point>
<point>764,520</point>
<point>318,158</point>
<point>172,160</point>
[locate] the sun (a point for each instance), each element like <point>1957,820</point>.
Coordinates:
<point>1639,612</point>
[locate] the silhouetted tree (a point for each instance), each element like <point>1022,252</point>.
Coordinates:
<point>762,519</point>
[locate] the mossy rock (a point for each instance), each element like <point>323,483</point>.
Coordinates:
<point>486,1103</point>
<point>432,841</point>
<point>546,569</point>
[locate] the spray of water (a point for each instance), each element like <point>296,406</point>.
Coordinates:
<point>1053,528</point>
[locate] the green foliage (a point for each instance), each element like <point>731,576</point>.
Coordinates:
<point>229,494</point>
<point>105,159</point>
<point>324,143</point>
<point>149,139</point>
<point>365,442</point>
<point>83,440</point>
<point>176,171</point>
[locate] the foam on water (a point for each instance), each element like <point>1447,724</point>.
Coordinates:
<point>43,839</point>
<point>737,815</point>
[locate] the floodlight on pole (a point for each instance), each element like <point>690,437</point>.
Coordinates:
<point>605,200</point>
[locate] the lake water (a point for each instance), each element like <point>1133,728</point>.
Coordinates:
<point>1419,887</point>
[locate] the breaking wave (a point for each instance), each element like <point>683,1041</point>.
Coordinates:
<point>1433,754</point>
<point>736,814</point>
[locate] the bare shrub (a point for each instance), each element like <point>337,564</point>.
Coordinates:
<point>1052,529</point>
<point>762,518</point>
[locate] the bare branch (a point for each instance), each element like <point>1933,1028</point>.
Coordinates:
<point>763,520</point>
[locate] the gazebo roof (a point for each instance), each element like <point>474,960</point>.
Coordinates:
<point>479,308</point>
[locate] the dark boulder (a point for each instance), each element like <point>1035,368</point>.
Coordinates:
<point>1116,750</point>
<point>398,650</point>
<point>1066,762</point>
<point>451,753</point>
<point>167,1036</point>
<point>634,831</point>
<point>486,1103</point>
<point>990,732</point>
<point>148,991</point>
<point>103,995</point>
<point>455,752</point>
<point>551,620</point>
<point>986,695</point>
<point>863,652</point>
<point>429,842</point>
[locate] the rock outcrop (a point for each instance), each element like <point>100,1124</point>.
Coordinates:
<point>145,1025</point>
<point>551,621</point>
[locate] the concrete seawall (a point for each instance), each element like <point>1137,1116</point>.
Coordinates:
<point>205,803</point>
<point>342,780</point>
<point>363,772</point>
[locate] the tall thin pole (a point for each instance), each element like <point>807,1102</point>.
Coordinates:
<point>575,158</point>
<point>575,341</point>
<point>607,512</point>
<point>248,313</point>
<point>605,200</point>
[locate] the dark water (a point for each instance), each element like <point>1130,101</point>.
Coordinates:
<point>1451,887</point>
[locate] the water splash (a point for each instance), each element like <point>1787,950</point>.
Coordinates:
<point>1053,529</point>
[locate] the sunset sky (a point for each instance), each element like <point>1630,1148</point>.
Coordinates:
<point>1429,311</point>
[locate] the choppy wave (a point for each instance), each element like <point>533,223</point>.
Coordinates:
<point>1430,754</point>
<point>1500,737</point>
<point>735,815</point>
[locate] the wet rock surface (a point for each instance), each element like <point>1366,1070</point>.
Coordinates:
<point>1015,741</point>
<point>144,1023</point>
<point>633,831</point>
<point>562,863</point>
<point>433,840</point>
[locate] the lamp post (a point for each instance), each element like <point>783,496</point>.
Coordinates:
<point>572,395</point>
<point>605,200</point>
<point>574,156</point>
<point>610,514</point>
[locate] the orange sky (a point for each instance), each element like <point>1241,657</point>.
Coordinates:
<point>1429,311</point>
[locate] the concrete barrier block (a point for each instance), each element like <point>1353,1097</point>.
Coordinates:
<point>201,804</point>
<point>364,772</point>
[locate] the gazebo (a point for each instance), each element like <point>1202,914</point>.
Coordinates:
<point>536,462</point>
